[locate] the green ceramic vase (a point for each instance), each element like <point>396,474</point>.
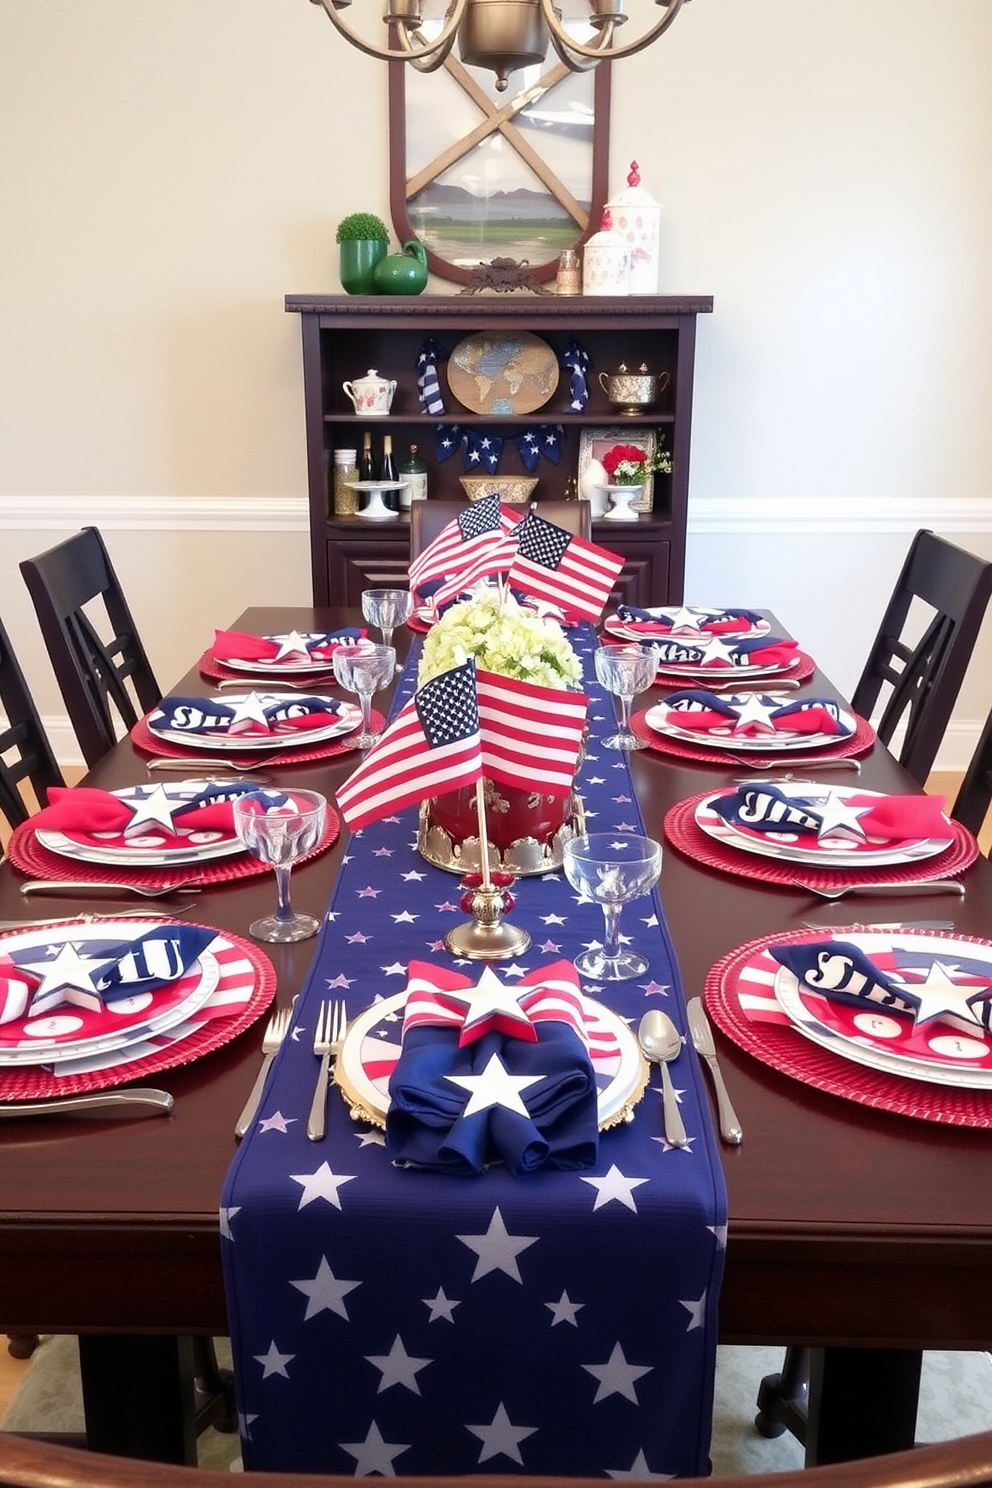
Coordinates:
<point>359,257</point>
<point>403,273</point>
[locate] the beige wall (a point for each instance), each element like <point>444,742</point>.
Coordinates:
<point>170,170</point>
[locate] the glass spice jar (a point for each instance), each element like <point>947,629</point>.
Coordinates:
<point>569,279</point>
<point>345,470</point>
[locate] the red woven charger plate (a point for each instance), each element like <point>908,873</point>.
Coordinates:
<point>143,738</point>
<point>785,1049</point>
<point>38,1083</point>
<point>683,833</point>
<point>219,671</point>
<point>27,854</point>
<point>857,743</point>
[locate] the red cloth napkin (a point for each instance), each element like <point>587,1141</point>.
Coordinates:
<point>238,645</point>
<point>903,816</point>
<point>84,809</point>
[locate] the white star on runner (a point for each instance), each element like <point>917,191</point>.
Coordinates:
<point>501,1436</point>
<point>697,1312</point>
<point>374,1455</point>
<point>273,1362</point>
<point>495,1087</point>
<point>325,1293</point>
<point>639,1472</point>
<point>323,1184</point>
<point>440,1306</point>
<point>398,1367</point>
<point>614,1186</point>
<point>155,807</point>
<point>497,1250</point>
<point>226,1215</point>
<point>564,1310</point>
<point>616,1376</point>
<point>276,1122</point>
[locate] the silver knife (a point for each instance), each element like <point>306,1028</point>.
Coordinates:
<point>159,1100</point>
<point>702,1040</point>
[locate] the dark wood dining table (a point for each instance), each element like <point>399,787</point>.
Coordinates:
<point>863,1234</point>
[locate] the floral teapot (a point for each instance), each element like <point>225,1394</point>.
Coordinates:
<point>371,395</point>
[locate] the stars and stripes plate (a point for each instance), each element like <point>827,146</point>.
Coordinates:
<point>155,845</point>
<point>348,719</point>
<point>823,852</point>
<point>674,724</point>
<point>287,665</point>
<point>939,1050</point>
<point>72,1032</point>
<point>372,1047</point>
<point>683,620</point>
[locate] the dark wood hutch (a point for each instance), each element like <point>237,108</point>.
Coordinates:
<point>345,335</point>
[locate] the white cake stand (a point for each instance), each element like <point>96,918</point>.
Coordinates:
<point>622,496</point>
<point>376,510</point>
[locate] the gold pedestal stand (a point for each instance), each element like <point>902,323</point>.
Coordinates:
<point>487,937</point>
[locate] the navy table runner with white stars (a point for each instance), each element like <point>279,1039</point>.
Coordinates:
<point>393,1321</point>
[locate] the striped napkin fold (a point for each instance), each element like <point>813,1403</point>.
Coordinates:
<point>650,622</point>
<point>296,647</point>
<point>754,715</point>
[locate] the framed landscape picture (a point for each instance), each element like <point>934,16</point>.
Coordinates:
<point>595,443</point>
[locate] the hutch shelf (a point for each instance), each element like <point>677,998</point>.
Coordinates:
<point>345,335</point>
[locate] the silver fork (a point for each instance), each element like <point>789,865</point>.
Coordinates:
<point>332,1024</point>
<point>282,684</point>
<point>72,889</point>
<point>821,763</point>
<point>275,1032</point>
<point>921,886</point>
<point>191,766</point>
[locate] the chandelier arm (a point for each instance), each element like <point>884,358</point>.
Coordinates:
<point>583,64</point>
<point>567,47</point>
<point>433,53</point>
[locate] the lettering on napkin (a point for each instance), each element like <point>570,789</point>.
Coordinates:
<point>752,651</point>
<point>828,814</point>
<point>914,982</point>
<point>490,1073</point>
<point>95,974</point>
<point>256,713</point>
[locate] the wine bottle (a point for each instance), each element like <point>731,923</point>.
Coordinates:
<point>387,472</point>
<point>366,470</point>
<point>414,472</point>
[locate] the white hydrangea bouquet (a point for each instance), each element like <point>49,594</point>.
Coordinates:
<point>503,638</point>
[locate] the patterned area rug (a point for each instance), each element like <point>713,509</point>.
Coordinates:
<point>956,1399</point>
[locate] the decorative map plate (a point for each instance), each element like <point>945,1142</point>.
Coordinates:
<point>515,372</point>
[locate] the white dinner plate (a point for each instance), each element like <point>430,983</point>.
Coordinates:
<point>615,626</point>
<point>938,1053</point>
<point>372,1047</point>
<point>148,850</point>
<point>792,847</point>
<point>69,1033</point>
<point>349,719</point>
<point>662,718</point>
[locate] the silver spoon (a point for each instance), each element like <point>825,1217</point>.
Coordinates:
<point>660,1041</point>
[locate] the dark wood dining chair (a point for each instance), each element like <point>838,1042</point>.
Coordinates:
<point>940,596</point>
<point>27,1463</point>
<point>573,516</point>
<point>25,753</point>
<point>971,804</point>
<point>428,520</point>
<point>99,661</point>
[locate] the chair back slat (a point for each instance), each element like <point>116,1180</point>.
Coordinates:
<point>25,753</point>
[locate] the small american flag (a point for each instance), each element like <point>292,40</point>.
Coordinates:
<point>562,567</point>
<point>530,734</point>
<point>432,745</point>
<point>480,540</point>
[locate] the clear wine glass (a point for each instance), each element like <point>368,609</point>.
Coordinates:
<point>387,608</point>
<point>364,669</point>
<point>625,671</point>
<point>280,828</point>
<point>612,868</point>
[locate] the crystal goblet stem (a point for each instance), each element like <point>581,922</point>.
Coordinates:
<point>279,830</point>
<point>363,669</point>
<point>611,870</point>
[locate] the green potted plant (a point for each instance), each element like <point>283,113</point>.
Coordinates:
<point>363,239</point>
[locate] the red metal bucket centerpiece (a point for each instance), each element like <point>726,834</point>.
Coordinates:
<point>526,828</point>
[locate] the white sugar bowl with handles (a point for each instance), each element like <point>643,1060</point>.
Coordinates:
<point>371,395</point>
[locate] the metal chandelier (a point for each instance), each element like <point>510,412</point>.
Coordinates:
<point>502,35</point>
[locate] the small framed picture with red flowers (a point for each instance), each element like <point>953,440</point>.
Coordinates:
<point>629,457</point>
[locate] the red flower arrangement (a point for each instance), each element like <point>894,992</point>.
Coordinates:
<point>629,464</point>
